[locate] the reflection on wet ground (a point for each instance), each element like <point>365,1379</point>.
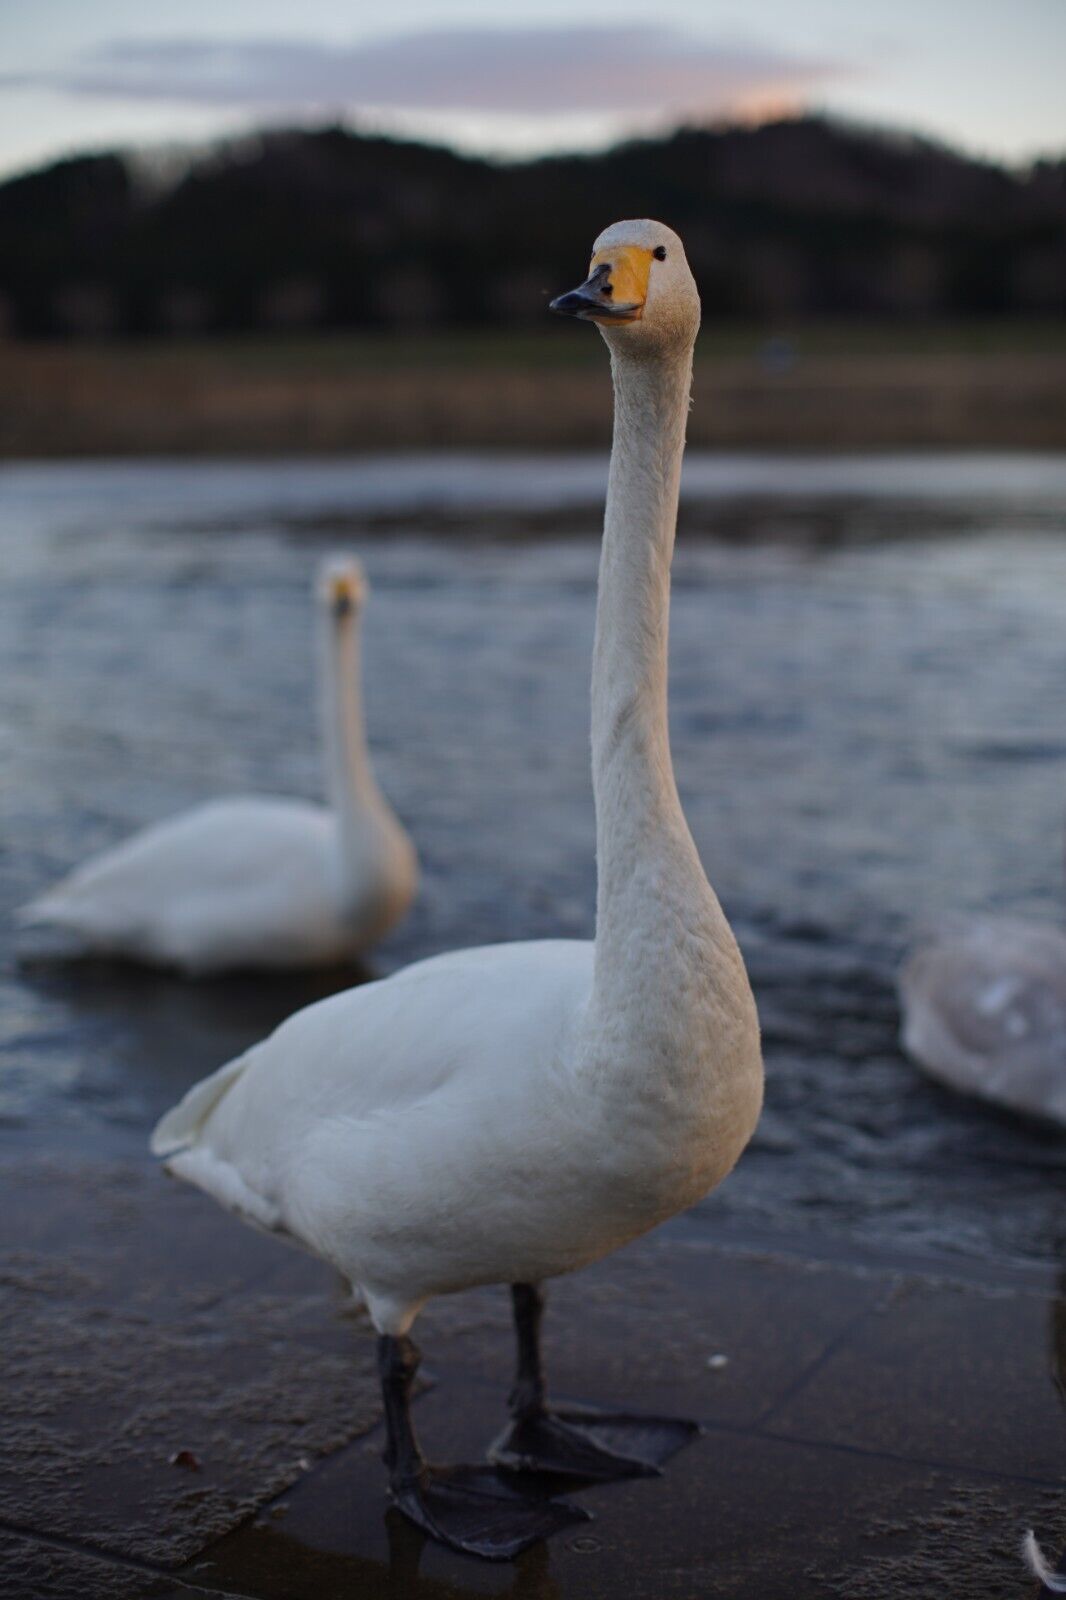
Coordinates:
<point>866,734</point>
<point>874,1422</point>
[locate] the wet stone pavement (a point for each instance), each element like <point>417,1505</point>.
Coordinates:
<point>189,1407</point>
<point>868,1319</point>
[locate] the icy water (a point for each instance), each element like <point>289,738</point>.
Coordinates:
<point>869,726</point>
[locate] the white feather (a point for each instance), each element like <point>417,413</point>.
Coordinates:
<point>1035,1560</point>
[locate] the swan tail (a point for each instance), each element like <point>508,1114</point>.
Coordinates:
<point>179,1128</point>
<point>1036,1561</point>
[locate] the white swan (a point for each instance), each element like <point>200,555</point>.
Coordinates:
<point>506,1114</point>
<point>1040,1567</point>
<point>984,1011</point>
<point>250,881</point>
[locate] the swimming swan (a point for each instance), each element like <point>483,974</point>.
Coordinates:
<point>984,1011</point>
<point>506,1114</point>
<point>253,882</point>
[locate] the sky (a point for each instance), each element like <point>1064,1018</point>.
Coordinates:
<point>985,75</point>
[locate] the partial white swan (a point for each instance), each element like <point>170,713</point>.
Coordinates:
<point>249,881</point>
<point>506,1114</point>
<point>1040,1567</point>
<point>984,1011</point>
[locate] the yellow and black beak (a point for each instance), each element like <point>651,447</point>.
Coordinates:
<point>346,592</point>
<point>615,289</point>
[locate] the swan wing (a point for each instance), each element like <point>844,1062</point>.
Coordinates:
<point>371,1049</point>
<point>415,1106</point>
<point>179,1128</point>
<point>238,879</point>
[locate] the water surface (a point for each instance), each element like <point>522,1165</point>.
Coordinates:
<point>867,715</point>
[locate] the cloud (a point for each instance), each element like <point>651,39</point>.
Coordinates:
<point>629,71</point>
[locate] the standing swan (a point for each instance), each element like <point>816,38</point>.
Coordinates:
<point>253,882</point>
<point>506,1114</point>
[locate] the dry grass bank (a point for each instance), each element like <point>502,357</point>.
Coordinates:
<point>830,389</point>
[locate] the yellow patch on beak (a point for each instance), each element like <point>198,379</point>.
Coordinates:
<point>630,268</point>
<point>346,589</point>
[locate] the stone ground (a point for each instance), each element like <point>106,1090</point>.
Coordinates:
<point>190,1409</point>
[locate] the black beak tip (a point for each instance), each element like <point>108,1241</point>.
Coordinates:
<point>569,305</point>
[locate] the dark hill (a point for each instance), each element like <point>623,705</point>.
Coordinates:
<point>331,228</point>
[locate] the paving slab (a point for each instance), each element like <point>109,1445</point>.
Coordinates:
<point>872,1429</point>
<point>738,1515</point>
<point>153,1396</point>
<point>839,1514</point>
<point>31,1567</point>
<point>952,1374</point>
<point>662,1325</point>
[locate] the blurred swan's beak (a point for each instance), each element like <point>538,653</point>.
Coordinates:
<point>346,592</point>
<point>615,289</point>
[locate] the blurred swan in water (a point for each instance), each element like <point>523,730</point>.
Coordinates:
<point>252,882</point>
<point>984,1011</point>
<point>506,1114</point>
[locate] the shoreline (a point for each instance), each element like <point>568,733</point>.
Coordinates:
<point>358,396</point>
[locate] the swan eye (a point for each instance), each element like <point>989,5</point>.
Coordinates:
<point>659,252</point>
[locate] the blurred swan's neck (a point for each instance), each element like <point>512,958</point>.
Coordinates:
<point>649,874</point>
<point>349,777</point>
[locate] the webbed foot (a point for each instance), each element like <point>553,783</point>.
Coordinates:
<point>474,1509</point>
<point>581,1442</point>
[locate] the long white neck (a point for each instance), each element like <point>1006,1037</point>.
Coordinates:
<point>349,777</point>
<point>651,888</point>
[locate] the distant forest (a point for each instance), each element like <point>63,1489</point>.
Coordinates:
<point>332,229</point>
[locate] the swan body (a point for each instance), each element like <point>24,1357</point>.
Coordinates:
<point>984,1011</point>
<point>251,881</point>
<point>497,1147</point>
<point>514,1112</point>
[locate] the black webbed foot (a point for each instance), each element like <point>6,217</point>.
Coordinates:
<point>575,1441</point>
<point>475,1510</point>
<point>599,1446</point>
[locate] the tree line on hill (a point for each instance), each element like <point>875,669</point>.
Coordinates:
<point>334,229</point>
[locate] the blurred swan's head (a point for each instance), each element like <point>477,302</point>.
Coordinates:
<point>639,290</point>
<point>342,586</point>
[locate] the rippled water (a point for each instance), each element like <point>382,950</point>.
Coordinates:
<point>868,721</point>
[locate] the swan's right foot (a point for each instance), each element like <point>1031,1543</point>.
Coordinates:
<point>474,1510</point>
<point>575,1441</point>
<point>580,1442</point>
<point>470,1508</point>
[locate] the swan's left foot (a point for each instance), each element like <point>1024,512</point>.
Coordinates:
<point>472,1509</point>
<point>580,1442</point>
<point>576,1441</point>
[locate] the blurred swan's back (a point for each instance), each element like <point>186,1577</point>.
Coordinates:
<point>984,1012</point>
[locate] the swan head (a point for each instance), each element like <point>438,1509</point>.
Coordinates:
<point>639,290</point>
<point>342,586</point>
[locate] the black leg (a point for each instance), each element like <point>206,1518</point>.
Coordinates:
<point>575,1441</point>
<point>398,1363</point>
<point>527,1395</point>
<point>469,1508</point>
